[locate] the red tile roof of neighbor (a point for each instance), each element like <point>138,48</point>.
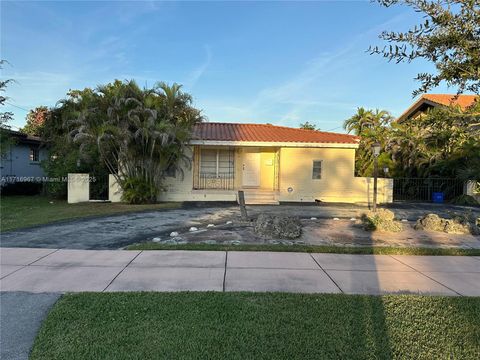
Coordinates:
<point>464,101</point>
<point>266,133</point>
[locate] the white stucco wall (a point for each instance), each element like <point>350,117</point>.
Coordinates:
<point>114,190</point>
<point>78,188</point>
<point>337,183</point>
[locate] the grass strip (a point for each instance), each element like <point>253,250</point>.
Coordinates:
<point>364,250</point>
<point>24,211</point>
<point>259,326</point>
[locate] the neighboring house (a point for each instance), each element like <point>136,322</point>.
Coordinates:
<point>271,164</point>
<point>429,101</point>
<point>22,159</point>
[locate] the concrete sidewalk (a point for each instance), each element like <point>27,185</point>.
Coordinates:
<point>53,270</point>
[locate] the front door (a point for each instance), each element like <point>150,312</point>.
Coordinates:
<point>251,169</point>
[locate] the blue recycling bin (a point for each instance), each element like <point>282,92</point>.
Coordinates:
<point>437,197</point>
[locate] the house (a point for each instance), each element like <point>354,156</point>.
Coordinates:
<point>429,101</point>
<point>272,164</point>
<point>21,160</point>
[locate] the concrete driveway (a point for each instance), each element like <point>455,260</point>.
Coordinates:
<point>52,270</point>
<point>114,232</point>
<point>21,316</point>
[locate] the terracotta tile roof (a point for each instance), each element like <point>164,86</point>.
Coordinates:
<point>464,101</point>
<point>266,133</point>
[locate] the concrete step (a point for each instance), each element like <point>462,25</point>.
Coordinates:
<point>261,202</point>
<point>260,198</point>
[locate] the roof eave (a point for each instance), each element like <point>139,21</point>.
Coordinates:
<point>416,105</point>
<point>271,143</point>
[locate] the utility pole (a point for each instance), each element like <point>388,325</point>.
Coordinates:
<point>376,152</point>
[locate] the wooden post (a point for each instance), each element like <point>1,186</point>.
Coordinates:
<point>241,201</point>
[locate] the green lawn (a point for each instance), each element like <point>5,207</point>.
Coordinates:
<point>259,326</point>
<point>22,211</point>
<point>364,250</point>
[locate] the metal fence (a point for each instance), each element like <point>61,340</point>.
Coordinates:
<point>422,189</point>
<point>218,182</point>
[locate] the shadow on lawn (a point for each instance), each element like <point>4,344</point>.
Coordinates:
<point>369,324</point>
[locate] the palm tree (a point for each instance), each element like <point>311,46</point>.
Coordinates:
<point>407,147</point>
<point>367,119</point>
<point>371,126</point>
<point>140,134</point>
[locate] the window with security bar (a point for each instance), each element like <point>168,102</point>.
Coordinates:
<point>217,169</point>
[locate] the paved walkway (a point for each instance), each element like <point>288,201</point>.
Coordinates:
<point>51,270</point>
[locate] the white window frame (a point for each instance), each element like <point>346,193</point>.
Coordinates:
<point>31,154</point>
<point>217,161</point>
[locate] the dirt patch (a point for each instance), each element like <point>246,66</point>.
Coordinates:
<point>352,233</point>
<point>278,227</point>
<point>341,232</point>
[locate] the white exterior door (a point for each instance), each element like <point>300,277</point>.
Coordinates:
<point>251,169</point>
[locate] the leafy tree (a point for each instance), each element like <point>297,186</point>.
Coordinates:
<point>35,120</point>
<point>446,143</point>
<point>443,143</point>
<point>5,116</point>
<point>308,126</point>
<point>371,126</point>
<point>64,154</point>
<point>139,134</point>
<point>406,146</point>
<point>449,37</point>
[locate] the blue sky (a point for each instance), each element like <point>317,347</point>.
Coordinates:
<point>276,62</point>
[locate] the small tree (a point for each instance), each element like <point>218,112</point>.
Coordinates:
<point>65,155</point>
<point>308,126</point>
<point>35,120</point>
<point>449,37</point>
<point>5,116</point>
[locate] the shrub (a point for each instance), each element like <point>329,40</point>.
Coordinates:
<point>382,220</point>
<point>138,190</point>
<point>465,200</point>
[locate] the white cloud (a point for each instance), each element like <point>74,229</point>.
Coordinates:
<point>198,72</point>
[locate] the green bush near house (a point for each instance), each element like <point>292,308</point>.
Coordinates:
<point>465,200</point>
<point>137,190</point>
